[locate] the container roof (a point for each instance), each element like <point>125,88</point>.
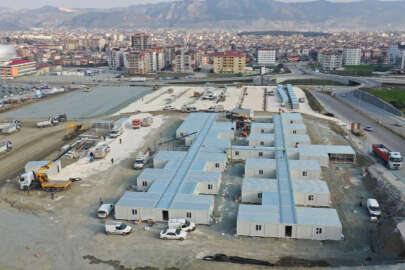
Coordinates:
<point>318,217</point>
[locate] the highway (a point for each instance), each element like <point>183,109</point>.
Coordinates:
<point>378,135</point>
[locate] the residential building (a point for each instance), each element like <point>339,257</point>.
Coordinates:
<point>229,62</point>
<point>17,68</point>
<point>351,56</point>
<point>182,62</point>
<point>116,58</point>
<point>331,60</point>
<point>266,57</point>
<point>134,61</point>
<point>141,42</point>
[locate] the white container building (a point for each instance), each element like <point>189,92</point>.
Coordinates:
<point>182,184</point>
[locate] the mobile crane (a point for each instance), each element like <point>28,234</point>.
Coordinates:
<point>30,180</point>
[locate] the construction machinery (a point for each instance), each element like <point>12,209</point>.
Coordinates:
<point>40,179</point>
<point>357,131</point>
<point>73,130</point>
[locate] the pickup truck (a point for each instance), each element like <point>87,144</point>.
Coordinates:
<point>50,122</point>
<point>117,228</point>
<point>141,159</point>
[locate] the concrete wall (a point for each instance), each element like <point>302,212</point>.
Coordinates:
<point>364,96</point>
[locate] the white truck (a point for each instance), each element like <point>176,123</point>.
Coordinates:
<point>141,159</point>
<point>118,128</point>
<point>115,227</point>
<point>5,147</point>
<point>10,127</point>
<point>50,122</point>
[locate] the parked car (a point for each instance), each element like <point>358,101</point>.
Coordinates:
<point>216,108</point>
<point>368,128</point>
<point>373,209</point>
<point>169,108</point>
<point>173,234</point>
<point>398,124</point>
<point>117,228</point>
<point>105,210</point>
<point>141,159</point>
<point>182,224</point>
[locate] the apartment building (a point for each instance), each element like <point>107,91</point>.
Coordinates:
<point>351,56</point>
<point>266,57</point>
<point>331,60</point>
<point>229,62</point>
<point>141,42</point>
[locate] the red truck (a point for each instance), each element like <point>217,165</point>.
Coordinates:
<point>393,160</point>
<point>136,123</point>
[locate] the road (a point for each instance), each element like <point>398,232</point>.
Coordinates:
<point>378,135</point>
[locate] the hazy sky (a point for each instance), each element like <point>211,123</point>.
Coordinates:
<point>95,3</point>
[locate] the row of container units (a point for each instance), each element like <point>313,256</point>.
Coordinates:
<point>306,192</point>
<point>311,223</point>
<point>293,97</point>
<point>267,168</point>
<point>268,140</point>
<point>282,94</point>
<point>141,206</point>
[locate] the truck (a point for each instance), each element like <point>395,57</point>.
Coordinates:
<point>5,146</point>
<point>141,160</point>
<point>136,123</point>
<point>10,127</point>
<point>393,160</point>
<point>30,180</point>
<point>357,131</point>
<point>118,128</point>
<point>50,122</point>
<point>147,121</point>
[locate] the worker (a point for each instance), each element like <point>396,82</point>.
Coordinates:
<point>112,160</point>
<point>120,141</point>
<point>91,156</point>
<point>101,201</point>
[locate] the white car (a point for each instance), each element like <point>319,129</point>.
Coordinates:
<point>373,209</point>
<point>117,228</point>
<point>368,128</point>
<point>173,234</point>
<point>169,108</point>
<point>182,224</point>
<point>105,210</point>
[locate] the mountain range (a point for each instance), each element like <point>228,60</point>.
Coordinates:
<point>235,14</point>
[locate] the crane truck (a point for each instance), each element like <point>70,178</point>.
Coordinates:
<point>393,160</point>
<point>40,179</point>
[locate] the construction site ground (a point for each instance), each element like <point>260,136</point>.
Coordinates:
<point>39,232</point>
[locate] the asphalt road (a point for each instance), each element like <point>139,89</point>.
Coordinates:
<point>378,135</point>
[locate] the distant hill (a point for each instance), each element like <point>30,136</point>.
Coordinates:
<point>245,14</point>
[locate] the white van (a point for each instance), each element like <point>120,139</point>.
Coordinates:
<point>373,209</point>
<point>114,227</point>
<point>181,223</point>
<point>105,210</point>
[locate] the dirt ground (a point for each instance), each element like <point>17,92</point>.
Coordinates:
<point>64,233</point>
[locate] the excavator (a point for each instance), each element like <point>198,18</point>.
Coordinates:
<point>73,129</point>
<point>40,179</point>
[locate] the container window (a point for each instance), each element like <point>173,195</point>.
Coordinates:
<point>188,214</point>
<point>318,231</point>
<point>134,212</point>
<point>310,197</point>
<point>258,227</point>
<point>216,165</point>
<point>260,171</point>
<point>304,173</point>
<point>209,186</point>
